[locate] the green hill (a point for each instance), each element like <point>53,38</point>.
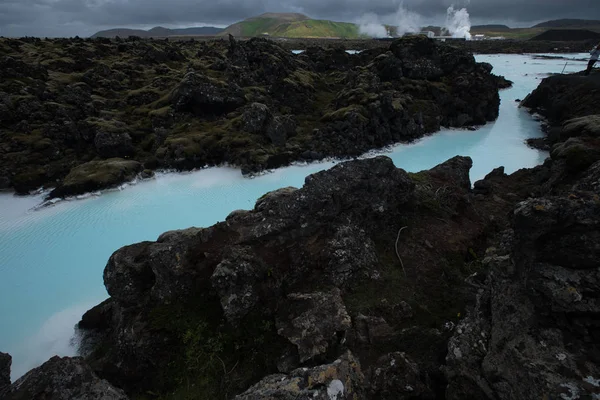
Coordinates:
<point>292,25</point>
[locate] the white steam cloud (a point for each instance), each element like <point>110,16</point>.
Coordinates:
<point>458,23</point>
<point>403,21</point>
<point>406,21</point>
<point>370,25</point>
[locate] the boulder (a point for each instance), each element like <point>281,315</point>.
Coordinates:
<point>578,153</point>
<point>234,279</point>
<point>314,322</point>
<point>201,95</point>
<point>280,128</point>
<point>255,118</point>
<point>455,170</point>
<point>582,126</point>
<point>63,379</point>
<point>340,380</point>
<point>388,67</point>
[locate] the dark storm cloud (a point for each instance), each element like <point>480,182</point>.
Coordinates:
<point>84,17</point>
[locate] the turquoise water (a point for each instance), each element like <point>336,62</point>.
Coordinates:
<point>51,259</point>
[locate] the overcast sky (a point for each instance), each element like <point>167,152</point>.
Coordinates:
<point>85,17</point>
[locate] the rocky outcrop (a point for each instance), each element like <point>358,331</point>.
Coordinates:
<point>294,278</point>
<point>62,379</point>
<point>563,97</point>
<point>530,332</point>
<point>252,104</point>
<point>5,363</point>
<point>340,380</point>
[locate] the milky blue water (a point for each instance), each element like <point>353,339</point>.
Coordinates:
<point>51,259</point>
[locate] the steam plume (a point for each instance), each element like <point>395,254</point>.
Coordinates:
<point>370,25</point>
<point>458,23</point>
<point>402,20</point>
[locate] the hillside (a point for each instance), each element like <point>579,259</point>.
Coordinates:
<point>158,31</point>
<point>292,25</point>
<point>568,35</point>
<point>568,23</point>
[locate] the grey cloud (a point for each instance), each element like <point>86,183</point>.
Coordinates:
<point>84,17</point>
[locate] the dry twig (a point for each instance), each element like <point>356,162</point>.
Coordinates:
<point>397,253</point>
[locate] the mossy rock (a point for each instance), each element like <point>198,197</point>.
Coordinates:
<point>95,175</point>
<point>343,113</point>
<point>29,180</point>
<point>578,153</point>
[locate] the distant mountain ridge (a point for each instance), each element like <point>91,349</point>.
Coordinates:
<point>296,25</point>
<point>158,31</point>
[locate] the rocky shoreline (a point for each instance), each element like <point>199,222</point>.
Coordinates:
<point>82,115</point>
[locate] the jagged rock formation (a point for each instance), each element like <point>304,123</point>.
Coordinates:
<point>532,332</point>
<point>340,380</point>
<point>62,379</point>
<point>189,104</point>
<point>305,276</point>
<point>5,363</point>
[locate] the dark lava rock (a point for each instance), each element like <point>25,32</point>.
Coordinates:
<point>62,379</point>
<point>280,128</point>
<point>183,103</point>
<point>201,95</point>
<point>396,376</point>
<point>578,153</point>
<point>326,315</point>
<point>563,97</point>
<point>340,380</point>
<point>255,118</point>
<point>288,267</point>
<point>4,182</point>
<point>113,144</point>
<point>539,304</point>
<point>5,363</point>
<point>388,67</point>
<point>539,143</point>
